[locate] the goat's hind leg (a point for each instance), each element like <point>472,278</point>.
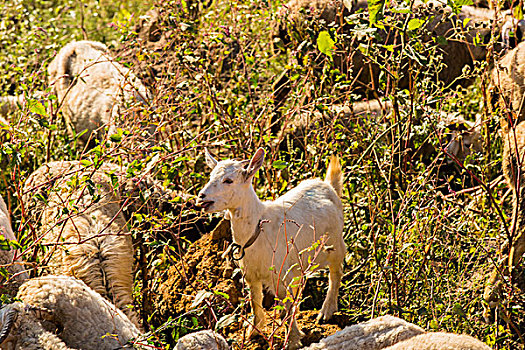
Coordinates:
<point>330,302</point>
<point>292,308</point>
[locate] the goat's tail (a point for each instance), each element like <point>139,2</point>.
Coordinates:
<point>334,175</point>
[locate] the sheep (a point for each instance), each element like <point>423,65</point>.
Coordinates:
<point>85,319</point>
<point>312,212</point>
<point>82,318</point>
<point>392,333</point>
<point>83,223</point>
<point>459,50</point>
<point>440,341</point>
<point>15,268</point>
<point>22,330</point>
<point>62,312</point>
<point>461,137</point>
<point>513,155</point>
<point>507,87</point>
<point>514,147</point>
<point>206,339</point>
<point>507,84</point>
<point>92,88</point>
<point>8,104</point>
<point>378,333</point>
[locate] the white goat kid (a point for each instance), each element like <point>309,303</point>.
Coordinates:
<point>286,228</point>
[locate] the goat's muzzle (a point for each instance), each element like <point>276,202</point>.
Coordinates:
<point>205,205</point>
<point>202,203</point>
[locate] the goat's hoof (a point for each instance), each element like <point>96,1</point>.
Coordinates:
<point>325,315</point>
<point>294,344</point>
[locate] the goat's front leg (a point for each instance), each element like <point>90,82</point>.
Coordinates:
<point>256,296</point>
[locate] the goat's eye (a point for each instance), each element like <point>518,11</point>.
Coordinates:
<point>228,181</point>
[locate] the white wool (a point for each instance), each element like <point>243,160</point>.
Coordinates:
<point>392,333</point>
<point>92,241</point>
<point>206,339</point>
<point>88,320</point>
<point>93,89</point>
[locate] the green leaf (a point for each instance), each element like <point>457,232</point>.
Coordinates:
<point>400,10</point>
<point>478,40</point>
<point>434,324</point>
<point>116,137</point>
<point>279,164</point>
<point>325,43</point>
<point>375,10</point>
<point>85,163</point>
<point>37,107</point>
<point>518,13</point>
<point>224,295</point>
<point>441,40</point>
<point>415,23</point>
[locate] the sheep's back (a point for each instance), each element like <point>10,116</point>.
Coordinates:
<point>92,87</point>
<point>375,334</point>
<point>511,139</point>
<point>440,341</point>
<point>87,319</point>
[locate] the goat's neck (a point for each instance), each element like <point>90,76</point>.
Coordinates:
<point>245,217</point>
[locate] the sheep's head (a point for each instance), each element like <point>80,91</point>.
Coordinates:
<point>229,182</point>
<point>512,32</point>
<point>463,137</point>
<point>8,316</point>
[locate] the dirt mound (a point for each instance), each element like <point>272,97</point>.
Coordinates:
<point>197,275</point>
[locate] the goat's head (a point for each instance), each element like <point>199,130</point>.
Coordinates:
<point>229,182</point>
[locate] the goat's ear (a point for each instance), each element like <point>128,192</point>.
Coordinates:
<point>212,162</point>
<point>255,163</point>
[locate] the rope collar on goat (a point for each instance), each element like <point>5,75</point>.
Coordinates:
<point>237,251</point>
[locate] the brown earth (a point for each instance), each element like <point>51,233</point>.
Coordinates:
<point>200,269</point>
<point>274,332</point>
